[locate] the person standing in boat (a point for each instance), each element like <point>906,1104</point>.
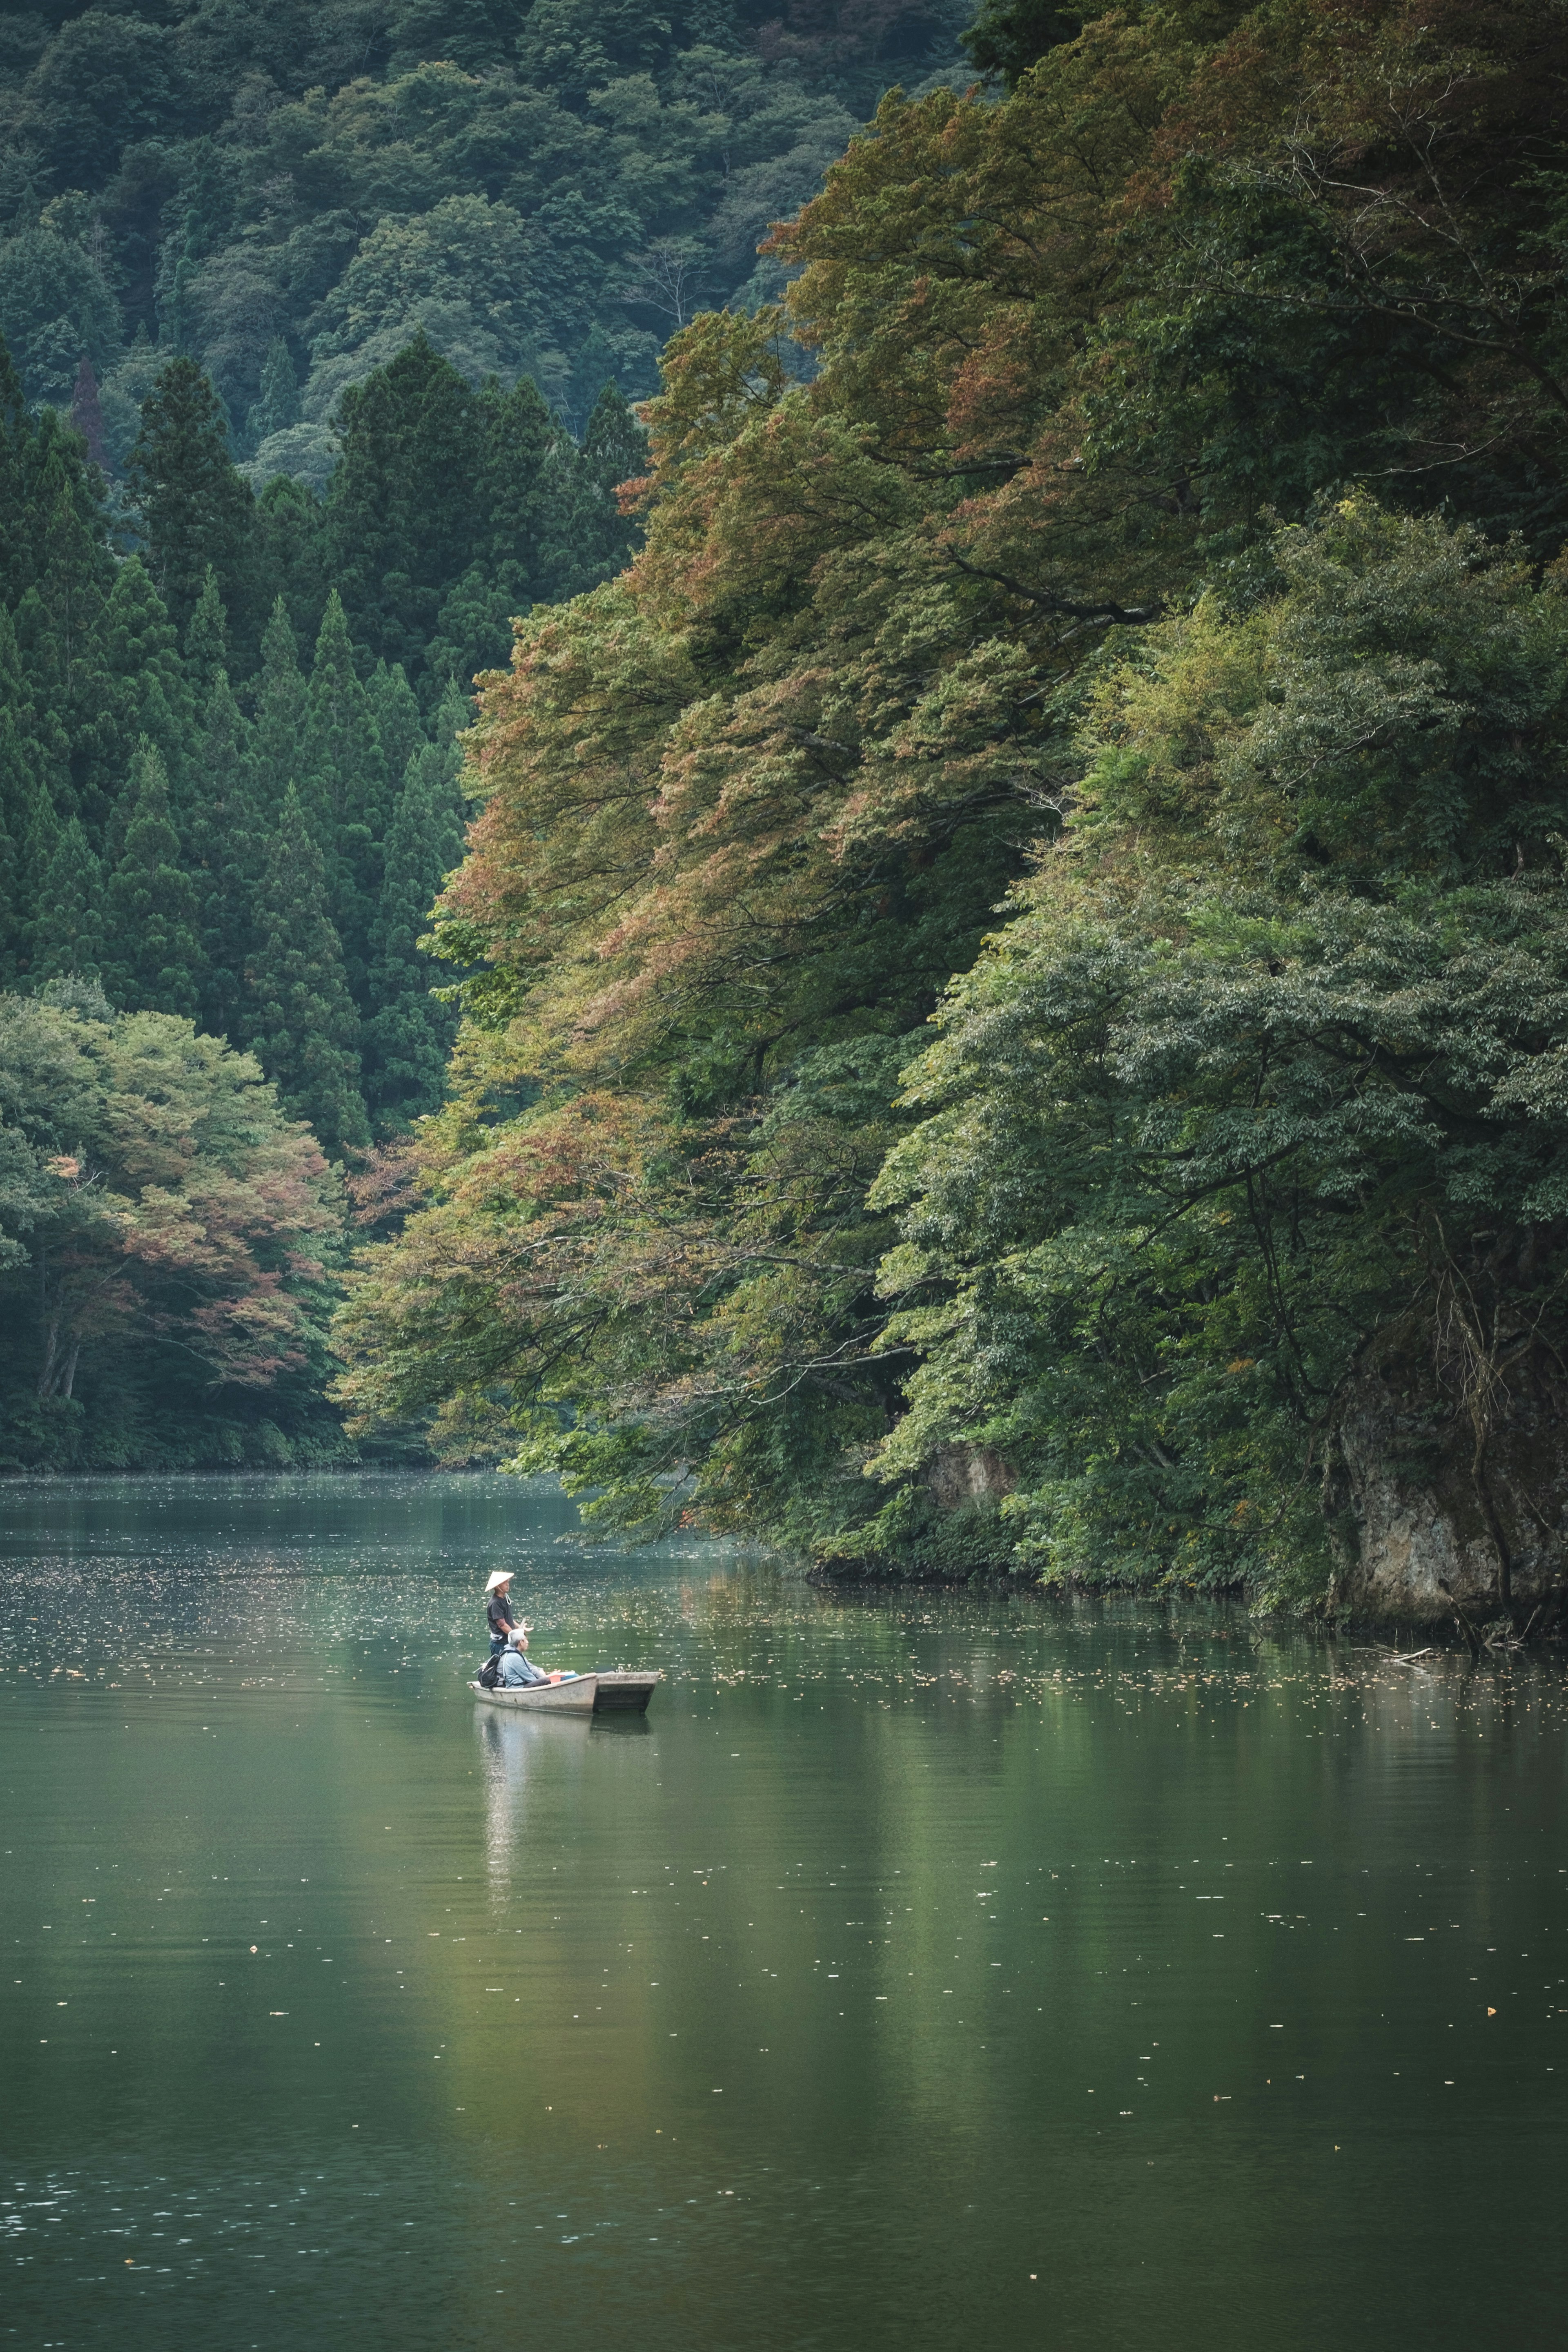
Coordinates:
<point>499,1611</point>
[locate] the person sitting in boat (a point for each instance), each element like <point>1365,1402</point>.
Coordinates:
<point>518,1670</point>
<point>499,1611</point>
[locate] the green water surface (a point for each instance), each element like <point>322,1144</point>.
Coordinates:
<point>926,1969</point>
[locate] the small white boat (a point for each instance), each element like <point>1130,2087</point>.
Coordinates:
<point>575,1697</point>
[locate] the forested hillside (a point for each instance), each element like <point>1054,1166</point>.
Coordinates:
<point>1152,613</point>
<point>319,325</point>
<point>318,335</point>
<point>285,191</point>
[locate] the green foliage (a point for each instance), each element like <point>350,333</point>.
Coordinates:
<point>281,714</point>
<point>285,196</point>
<point>409,1036</point>
<point>227,833</point>
<point>131,684</point>
<point>153,942</point>
<point>425,292</point>
<point>302,1019</point>
<point>1040,534</point>
<point>1266,1064</point>
<point>55,305</point>
<point>66,932</point>
<point>1008,37</point>
<point>166,1239</point>
<point>403,515</point>
<point>591,537</point>
<point>207,637</point>
<point>1055,575</point>
<point>276,406</point>
<point>345,769</point>
<point>194,510</point>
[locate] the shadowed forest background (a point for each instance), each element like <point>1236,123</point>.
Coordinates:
<point>999,935</point>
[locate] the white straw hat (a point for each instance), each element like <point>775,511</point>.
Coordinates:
<point>501,1576</point>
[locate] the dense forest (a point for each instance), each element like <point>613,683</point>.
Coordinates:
<point>318,328</point>
<point>1014,959</point>
<point>1007,1002</point>
<point>286,189</point>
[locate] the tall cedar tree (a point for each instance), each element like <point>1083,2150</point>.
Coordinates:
<point>194,506</point>
<point>17,515</point>
<point>21,756</point>
<point>68,924</point>
<point>409,1034</point>
<point>526,469</point>
<point>281,715</point>
<point>291,560</point>
<point>142,689</point>
<point>395,709</point>
<point>41,462</point>
<point>207,638</point>
<point>227,838</point>
<point>403,510</point>
<point>37,841</point>
<point>303,1028</point>
<point>345,784</point>
<point>154,926</point>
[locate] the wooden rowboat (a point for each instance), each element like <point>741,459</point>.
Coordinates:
<point>575,1697</point>
<point>623,1691</point>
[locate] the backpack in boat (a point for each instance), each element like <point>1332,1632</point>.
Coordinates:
<point>489,1673</point>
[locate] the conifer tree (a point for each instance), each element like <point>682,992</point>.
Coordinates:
<point>39,705</point>
<point>20,754</point>
<point>10,929</point>
<point>404,511</point>
<point>521,437</point>
<point>207,637</point>
<point>290,561</point>
<point>453,716</point>
<point>281,713</point>
<point>303,1025</point>
<point>195,508</point>
<point>154,949</point>
<point>36,834</point>
<point>347,788</point>
<point>15,444</point>
<point>144,691</point>
<point>395,711</point>
<point>227,841</point>
<point>525,460</point>
<point>409,1034</point>
<point>67,919</point>
<point>42,464</point>
<point>18,786</point>
<point>60,615</point>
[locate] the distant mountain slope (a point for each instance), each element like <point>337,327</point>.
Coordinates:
<point>287,192</point>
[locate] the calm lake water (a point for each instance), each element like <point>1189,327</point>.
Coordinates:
<point>924,1969</point>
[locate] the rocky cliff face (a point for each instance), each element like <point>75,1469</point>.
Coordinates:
<point>960,1474</point>
<point>1444,1508</point>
